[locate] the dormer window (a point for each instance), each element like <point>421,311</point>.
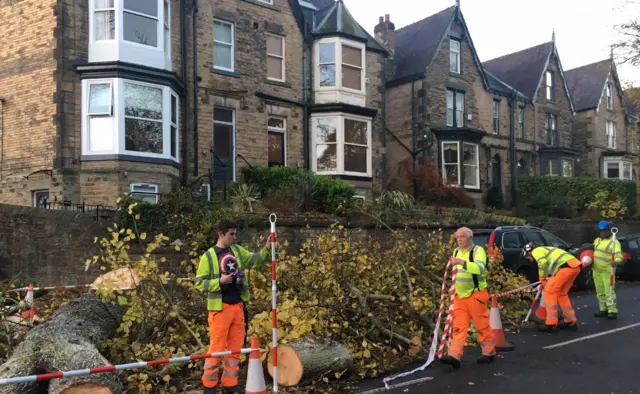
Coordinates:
<point>339,72</point>
<point>132,31</point>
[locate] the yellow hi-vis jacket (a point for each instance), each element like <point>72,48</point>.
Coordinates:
<point>476,265</point>
<point>602,249</point>
<point>208,274</point>
<point>550,259</point>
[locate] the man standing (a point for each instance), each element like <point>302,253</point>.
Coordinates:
<point>471,302</point>
<point>220,275</point>
<point>557,270</point>
<point>602,251</point>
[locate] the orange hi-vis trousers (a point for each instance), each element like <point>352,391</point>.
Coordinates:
<point>473,308</point>
<point>556,295</point>
<point>226,332</point>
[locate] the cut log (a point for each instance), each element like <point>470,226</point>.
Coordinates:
<point>66,342</point>
<point>310,358</point>
<point>121,278</point>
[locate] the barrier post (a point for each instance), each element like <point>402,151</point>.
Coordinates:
<point>273,237</point>
<point>614,232</point>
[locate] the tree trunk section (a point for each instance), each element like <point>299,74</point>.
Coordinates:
<point>63,343</point>
<point>310,358</point>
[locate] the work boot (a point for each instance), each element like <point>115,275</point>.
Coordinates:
<point>612,316</point>
<point>454,362</point>
<point>485,359</point>
<point>570,326</point>
<point>230,390</point>
<point>208,390</point>
<point>600,314</point>
<point>545,328</point>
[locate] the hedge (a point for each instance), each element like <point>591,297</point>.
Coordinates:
<point>578,191</point>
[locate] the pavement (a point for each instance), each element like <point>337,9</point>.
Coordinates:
<point>601,357</point>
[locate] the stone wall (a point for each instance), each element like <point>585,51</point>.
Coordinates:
<point>578,232</point>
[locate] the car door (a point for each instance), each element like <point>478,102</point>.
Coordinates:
<point>633,265</point>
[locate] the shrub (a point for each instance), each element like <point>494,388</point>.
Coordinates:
<point>604,205</point>
<point>577,192</point>
<point>304,188</point>
<point>430,187</point>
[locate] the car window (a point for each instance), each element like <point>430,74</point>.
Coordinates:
<point>533,236</point>
<point>552,240</point>
<point>634,244</point>
<point>512,240</point>
<point>481,239</point>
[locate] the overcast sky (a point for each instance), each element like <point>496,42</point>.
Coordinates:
<point>584,28</point>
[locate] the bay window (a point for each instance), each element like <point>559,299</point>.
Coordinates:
<point>133,31</point>
<point>341,144</point>
<point>124,117</point>
<point>616,168</point>
<point>461,164</point>
<point>339,72</point>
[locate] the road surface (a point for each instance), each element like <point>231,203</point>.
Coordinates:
<point>601,357</point>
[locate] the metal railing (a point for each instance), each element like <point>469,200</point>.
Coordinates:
<point>97,211</point>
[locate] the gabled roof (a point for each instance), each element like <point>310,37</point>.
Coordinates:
<point>586,84</point>
<point>521,69</point>
<point>332,18</point>
<point>418,43</point>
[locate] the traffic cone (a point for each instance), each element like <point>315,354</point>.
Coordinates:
<point>496,327</point>
<point>541,312</point>
<point>31,313</point>
<point>255,375</point>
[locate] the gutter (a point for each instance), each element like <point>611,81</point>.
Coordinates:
<point>196,4</point>
<point>183,111</point>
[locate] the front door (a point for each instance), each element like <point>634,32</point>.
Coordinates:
<point>223,138</point>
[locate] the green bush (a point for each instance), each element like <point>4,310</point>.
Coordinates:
<point>571,194</point>
<point>327,194</point>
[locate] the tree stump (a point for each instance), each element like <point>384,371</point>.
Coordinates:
<point>66,342</point>
<point>310,358</point>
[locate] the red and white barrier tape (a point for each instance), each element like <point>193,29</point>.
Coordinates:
<point>119,367</point>
<point>436,330</point>
<point>274,315</point>
<point>68,287</point>
<point>448,325</point>
<point>519,289</point>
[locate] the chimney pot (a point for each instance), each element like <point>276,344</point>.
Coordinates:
<point>380,20</point>
<point>386,17</point>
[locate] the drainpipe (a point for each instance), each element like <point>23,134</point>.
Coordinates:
<point>195,86</point>
<point>183,111</point>
<point>305,98</point>
<point>512,147</point>
<point>383,105</point>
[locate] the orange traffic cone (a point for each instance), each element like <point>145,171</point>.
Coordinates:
<point>496,327</point>
<point>541,312</point>
<point>255,375</point>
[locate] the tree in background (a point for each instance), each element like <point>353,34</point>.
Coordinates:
<point>628,46</point>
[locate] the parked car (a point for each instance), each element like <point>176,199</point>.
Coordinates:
<point>631,255</point>
<point>511,240</point>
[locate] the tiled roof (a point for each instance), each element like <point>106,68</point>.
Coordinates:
<point>417,43</point>
<point>586,84</point>
<point>522,70</point>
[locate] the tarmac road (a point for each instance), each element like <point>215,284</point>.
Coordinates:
<point>601,357</point>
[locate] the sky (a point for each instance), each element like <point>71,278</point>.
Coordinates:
<point>584,29</point>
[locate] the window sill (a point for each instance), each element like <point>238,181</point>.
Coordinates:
<point>277,83</point>
<point>456,75</point>
<point>225,73</point>
<point>129,157</point>
<point>265,5</point>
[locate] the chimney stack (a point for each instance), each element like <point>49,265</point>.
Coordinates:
<point>385,32</point>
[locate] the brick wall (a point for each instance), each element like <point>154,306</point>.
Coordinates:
<point>45,245</point>
<point>28,86</point>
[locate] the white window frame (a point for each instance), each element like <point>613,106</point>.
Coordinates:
<point>520,131</point>
<point>455,110</point>
<point>232,45</point>
<point>110,111</point>
<point>233,138</point>
<point>34,197</point>
<point>118,49</point>
<point>550,162</point>
<point>621,163</point>
<point>549,77</point>
<point>278,130</point>
<point>612,133</point>
<point>116,128</point>
<point>154,186</point>
<point>609,94</point>
<point>496,117</point>
<point>207,190</point>
<point>461,166</point>
<point>270,2</point>
<point>282,58</point>
<point>340,144</point>
<point>562,162</point>
<point>552,138</point>
<point>338,43</point>
<point>457,53</point>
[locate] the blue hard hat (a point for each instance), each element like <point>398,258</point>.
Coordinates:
<point>603,225</point>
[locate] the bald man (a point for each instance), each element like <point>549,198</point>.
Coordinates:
<point>471,302</point>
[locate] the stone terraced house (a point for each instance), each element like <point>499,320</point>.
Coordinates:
<point>104,98</point>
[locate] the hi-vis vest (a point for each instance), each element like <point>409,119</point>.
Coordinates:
<point>208,274</point>
<point>549,259</point>
<point>602,249</point>
<point>471,276</point>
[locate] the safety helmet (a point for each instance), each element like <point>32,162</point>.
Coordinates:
<point>527,249</point>
<point>603,225</point>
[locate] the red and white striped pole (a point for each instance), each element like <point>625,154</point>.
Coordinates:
<point>81,286</point>
<point>274,315</point>
<point>614,232</point>
<point>29,299</point>
<point>119,367</point>
<point>448,325</point>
